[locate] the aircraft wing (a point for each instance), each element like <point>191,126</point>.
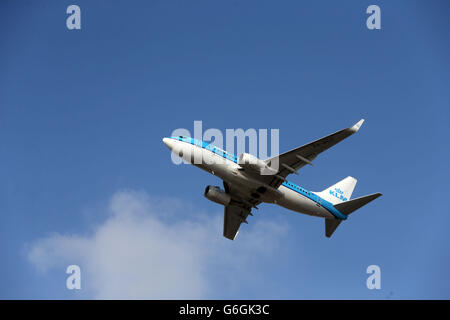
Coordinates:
<point>237,211</point>
<point>233,217</point>
<point>289,162</point>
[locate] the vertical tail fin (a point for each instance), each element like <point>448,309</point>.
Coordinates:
<point>340,191</point>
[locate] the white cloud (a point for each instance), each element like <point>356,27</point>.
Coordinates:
<point>158,248</point>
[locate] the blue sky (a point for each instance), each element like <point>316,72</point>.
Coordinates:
<point>82,114</point>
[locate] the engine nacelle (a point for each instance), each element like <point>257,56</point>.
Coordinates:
<point>247,161</point>
<point>217,195</point>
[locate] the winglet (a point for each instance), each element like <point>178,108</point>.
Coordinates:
<point>358,125</point>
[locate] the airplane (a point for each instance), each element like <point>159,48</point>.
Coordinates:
<point>245,186</point>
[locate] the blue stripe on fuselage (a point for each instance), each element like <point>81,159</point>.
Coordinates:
<point>314,197</point>
<point>292,186</point>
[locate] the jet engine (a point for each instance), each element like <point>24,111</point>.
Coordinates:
<point>217,195</point>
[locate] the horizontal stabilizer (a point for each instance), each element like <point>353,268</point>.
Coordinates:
<point>349,206</point>
<point>330,226</point>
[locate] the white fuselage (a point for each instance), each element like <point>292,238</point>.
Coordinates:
<point>224,165</point>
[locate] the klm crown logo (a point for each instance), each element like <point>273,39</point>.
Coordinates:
<point>338,193</point>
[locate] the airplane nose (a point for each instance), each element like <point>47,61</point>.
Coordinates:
<point>167,142</point>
